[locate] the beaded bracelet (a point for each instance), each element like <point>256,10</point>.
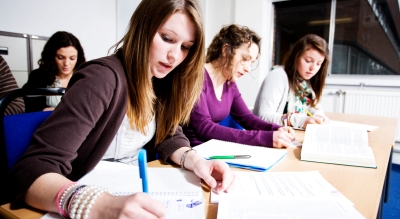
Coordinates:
<point>94,190</point>
<point>63,189</point>
<point>183,157</point>
<point>91,202</point>
<point>65,197</point>
<point>77,199</point>
<point>71,196</point>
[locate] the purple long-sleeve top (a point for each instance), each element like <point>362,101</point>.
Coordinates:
<point>209,111</point>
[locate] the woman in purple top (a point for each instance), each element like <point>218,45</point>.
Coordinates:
<point>229,56</point>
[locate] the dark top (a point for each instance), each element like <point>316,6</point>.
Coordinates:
<point>209,111</point>
<point>78,133</point>
<point>7,84</point>
<point>37,79</point>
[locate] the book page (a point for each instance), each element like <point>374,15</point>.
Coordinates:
<point>262,158</point>
<point>283,184</point>
<point>246,206</point>
<point>179,190</point>
<point>346,145</point>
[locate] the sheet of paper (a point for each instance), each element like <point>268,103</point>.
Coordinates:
<point>239,207</point>
<point>283,184</point>
<point>369,128</point>
<point>179,190</point>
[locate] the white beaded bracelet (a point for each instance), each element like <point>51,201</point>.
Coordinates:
<point>77,200</point>
<point>91,202</point>
<point>93,190</point>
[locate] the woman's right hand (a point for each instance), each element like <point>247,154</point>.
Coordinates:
<point>138,205</point>
<point>282,138</point>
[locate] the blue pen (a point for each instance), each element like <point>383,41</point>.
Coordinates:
<point>142,158</point>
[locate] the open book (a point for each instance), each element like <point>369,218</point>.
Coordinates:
<point>179,190</point>
<point>346,145</point>
<point>262,158</point>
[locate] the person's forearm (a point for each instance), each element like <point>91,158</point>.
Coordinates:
<point>42,193</point>
<point>191,157</point>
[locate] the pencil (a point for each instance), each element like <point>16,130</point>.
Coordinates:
<point>308,112</point>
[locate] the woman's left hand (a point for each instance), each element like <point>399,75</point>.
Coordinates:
<point>212,171</point>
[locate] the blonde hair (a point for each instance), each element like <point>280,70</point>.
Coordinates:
<point>173,97</point>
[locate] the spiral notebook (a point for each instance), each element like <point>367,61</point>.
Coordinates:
<point>179,190</point>
<point>262,158</point>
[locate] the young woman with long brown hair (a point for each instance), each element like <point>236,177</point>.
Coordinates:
<point>143,90</point>
<point>289,91</point>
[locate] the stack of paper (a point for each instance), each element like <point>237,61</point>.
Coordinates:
<point>262,158</point>
<point>308,184</point>
<point>283,195</point>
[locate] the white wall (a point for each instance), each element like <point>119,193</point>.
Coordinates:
<point>258,16</point>
<point>93,22</point>
<point>125,9</point>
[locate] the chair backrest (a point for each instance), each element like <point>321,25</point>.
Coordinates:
<point>16,130</point>
<point>230,122</point>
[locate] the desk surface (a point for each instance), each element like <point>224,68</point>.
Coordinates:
<point>363,186</point>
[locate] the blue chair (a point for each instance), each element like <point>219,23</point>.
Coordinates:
<point>16,130</point>
<point>230,122</point>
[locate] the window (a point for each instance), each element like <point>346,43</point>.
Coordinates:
<point>366,33</point>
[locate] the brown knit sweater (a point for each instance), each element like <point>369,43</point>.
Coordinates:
<point>78,133</point>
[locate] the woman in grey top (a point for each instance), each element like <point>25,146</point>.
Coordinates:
<point>289,91</point>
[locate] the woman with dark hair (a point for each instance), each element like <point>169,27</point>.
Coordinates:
<point>61,55</point>
<point>231,55</point>
<point>289,91</point>
<point>116,105</point>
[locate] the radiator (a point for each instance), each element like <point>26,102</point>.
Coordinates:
<point>373,103</point>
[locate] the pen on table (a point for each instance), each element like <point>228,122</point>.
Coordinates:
<point>308,112</point>
<point>142,158</point>
<point>230,157</point>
